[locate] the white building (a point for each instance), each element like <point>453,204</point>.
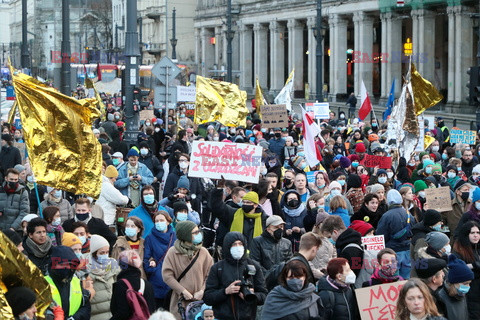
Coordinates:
<point>5,34</point>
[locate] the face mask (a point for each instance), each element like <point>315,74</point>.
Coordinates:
<point>130,232</point>
<point>30,178</point>
<point>56,222</point>
<point>321,207</point>
<point>215,138</point>
<point>389,270</point>
<point>12,185</point>
<point>183,165</point>
<point>143,152</point>
<point>451,175</point>
<point>335,192</point>
<point>350,278</point>
<point>437,228</point>
<point>389,175</point>
<point>115,161</point>
<point>321,186</point>
<point>277,234</point>
<point>301,154</point>
<point>293,203</point>
<point>233,131</point>
<point>182,216</point>
<point>247,208</point>
<point>354,164</point>
<point>117,118</point>
<point>157,129</point>
<point>287,181</point>
<point>263,130</point>
<point>82,239</point>
<point>428,170</point>
<point>465,195</point>
<point>182,115</point>
<point>161,226</point>
<point>444,156</point>
<point>331,241</point>
<point>82,216</point>
<point>198,238</point>
<point>263,171</point>
<point>382,180</point>
<point>149,198</point>
<point>255,132</point>
<point>147,124</point>
<point>303,166</point>
<point>237,252</point>
<point>342,182</point>
<point>102,257</point>
<point>272,164</point>
<point>421,194</point>
<point>79,255</point>
<point>448,249</point>
<point>435,148</point>
<point>411,164</point>
<point>463,289</point>
<point>374,125</point>
<point>295,285</point>
<point>342,116</point>
<point>459,169</point>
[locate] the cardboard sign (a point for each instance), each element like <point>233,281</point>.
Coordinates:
<point>462,136</point>
<point>439,199</point>
<point>146,115</point>
<point>379,302</point>
<point>274,115</point>
<point>233,161</point>
<point>320,110</point>
<point>374,243</point>
<point>371,161</point>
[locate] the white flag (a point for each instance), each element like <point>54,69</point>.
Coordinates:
<point>310,131</point>
<point>285,95</point>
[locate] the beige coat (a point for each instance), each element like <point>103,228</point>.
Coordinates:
<point>122,245</point>
<point>103,284</point>
<point>193,281</point>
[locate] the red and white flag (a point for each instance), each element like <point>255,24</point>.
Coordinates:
<point>400,3</point>
<point>310,131</point>
<point>366,106</point>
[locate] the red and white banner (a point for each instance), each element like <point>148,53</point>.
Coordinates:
<point>366,105</point>
<point>310,131</point>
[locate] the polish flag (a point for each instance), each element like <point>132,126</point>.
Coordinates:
<point>366,106</point>
<point>310,131</point>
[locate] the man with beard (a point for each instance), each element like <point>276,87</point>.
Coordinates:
<point>468,162</point>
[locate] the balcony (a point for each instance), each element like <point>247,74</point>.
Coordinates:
<point>154,48</point>
<point>155,12</point>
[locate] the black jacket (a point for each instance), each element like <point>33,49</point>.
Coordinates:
<point>9,158</point>
<point>366,215</point>
<point>353,254</point>
<point>95,226</point>
<point>153,164</point>
<point>118,146</point>
<point>339,304</point>
<point>41,263</point>
<point>119,304</point>
<point>269,252</point>
<point>226,271</point>
<point>310,220</point>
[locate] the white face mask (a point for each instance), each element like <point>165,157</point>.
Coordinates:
<point>335,192</point>
<point>421,194</point>
<point>143,151</point>
<point>477,205</point>
<point>435,148</point>
<point>382,180</point>
<point>448,249</point>
<point>350,278</point>
<point>157,129</point>
<point>451,175</point>
<point>389,175</point>
<point>183,165</point>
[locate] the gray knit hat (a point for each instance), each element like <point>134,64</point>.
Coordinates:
<point>184,230</point>
<point>437,240</point>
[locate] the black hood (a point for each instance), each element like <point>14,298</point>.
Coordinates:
<point>61,254</point>
<point>229,239</point>
<point>347,237</point>
<point>283,202</point>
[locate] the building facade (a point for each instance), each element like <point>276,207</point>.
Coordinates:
<point>369,40</point>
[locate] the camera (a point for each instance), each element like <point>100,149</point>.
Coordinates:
<point>247,284</point>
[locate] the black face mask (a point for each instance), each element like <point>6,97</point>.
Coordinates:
<point>82,216</point>
<point>12,185</point>
<point>293,203</point>
<point>247,208</point>
<point>277,234</point>
<point>438,177</point>
<point>465,195</point>
<point>278,134</point>
<point>287,181</point>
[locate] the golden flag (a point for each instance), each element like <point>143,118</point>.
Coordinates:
<point>428,140</point>
<point>220,101</point>
<point>18,270</point>
<point>11,113</point>
<point>62,149</point>
<point>100,105</point>
<point>259,99</point>
<point>424,92</point>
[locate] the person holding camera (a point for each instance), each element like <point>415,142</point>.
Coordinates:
<point>235,286</point>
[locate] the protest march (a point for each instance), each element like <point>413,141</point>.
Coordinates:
<point>235,212</point>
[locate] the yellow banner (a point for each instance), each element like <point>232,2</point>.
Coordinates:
<point>428,140</point>
<point>220,101</point>
<point>100,104</point>
<point>424,92</point>
<point>259,100</point>
<point>11,114</point>
<point>62,149</point>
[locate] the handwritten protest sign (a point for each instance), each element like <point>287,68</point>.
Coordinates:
<point>380,301</point>
<point>439,199</point>
<point>371,161</point>
<point>146,115</point>
<point>374,243</point>
<point>274,115</point>
<point>462,136</point>
<point>233,161</point>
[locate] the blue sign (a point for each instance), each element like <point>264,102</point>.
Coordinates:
<point>10,93</point>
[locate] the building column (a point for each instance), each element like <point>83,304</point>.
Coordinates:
<point>464,58</point>
<point>423,43</point>
<point>204,35</point>
<point>338,55</point>
<point>392,53</point>
<point>383,67</point>
<point>364,36</point>
<point>295,51</point>
<point>246,38</point>
<point>223,61</point>
<point>218,46</point>
<point>357,50</point>
<point>312,58</point>
<point>198,47</point>
<point>451,55</point>
<point>277,57</point>
<point>261,47</point>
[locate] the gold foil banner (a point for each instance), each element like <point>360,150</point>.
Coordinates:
<point>424,92</point>
<point>17,270</point>
<point>100,105</point>
<point>62,149</point>
<point>259,100</point>
<point>11,114</point>
<point>220,101</point>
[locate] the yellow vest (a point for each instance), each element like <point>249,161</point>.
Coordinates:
<point>76,295</point>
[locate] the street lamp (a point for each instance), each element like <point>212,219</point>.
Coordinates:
<point>173,41</point>
<point>319,35</point>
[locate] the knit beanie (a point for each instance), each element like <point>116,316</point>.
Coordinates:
<point>353,157</point>
<point>361,226</point>
<point>354,181</point>
<point>183,182</point>
<point>333,184</point>
<point>394,197</point>
<point>429,267</point>
<point>420,185</point>
<point>374,188</point>
<point>7,137</point>
<point>19,168</point>
<point>476,169</point>
<point>437,240</point>
<point>476,195</point>
<point>345,162</point>
<point>97,242</point>
<point>360,148</point>
<point>458,271</point>
<point>427,162</point>
<point>297,160</point>
<point>321,216</point>
<point>111,172</point>
<point>20,299</point>
<point>179,206</point>
<point>381,171</point>
<point>69,239</point>
<point>132,152</point>
<point>437,168</point>
<point>184,230</point>
<point>454,168</point>
<point>422,154</point>
<point>431,218</point>
<point>251,196</point>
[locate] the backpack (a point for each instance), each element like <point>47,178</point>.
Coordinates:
<point>364,274</point>
<point>136,301</point>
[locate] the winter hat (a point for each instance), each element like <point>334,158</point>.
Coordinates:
<point>458,271</point>
<point>274,220</point>
<point>354,181</point>
<point>13,236</point>
<point>375,146</point>
<point>7,137</point>
<point>353,157</point>
<point>111,172</point>
<point>132,153</point>
<point>476,194</point>
<point>117,155</point>
<point>374,188</point>
<point>345,162</point>
<point>373,137</point>
<point>428,162</point>
<point>459,184</point>
<point>360,148</point>
<point>394,197</point>
<point>420,185</point>
<point>297,160</point>
<point>437,168</point>
<point>29,217</point>
<point>179,206</point>
<point>454,168</point>
<point>96,131</point>
<point>20,299</point>
<point>476,169</point>
<point>184,230</point>
<point>431,217</point>
<point>437,240</point>
<point>97,242</point>
<point>251,196</point>
<point>69,239</point>
<point>321,216</point>
<point>19,168</point>
<point>422,154</point>
<point>407,184</point>
<point>381,171</point>
<point>183,182</point>
<point>334,184</point>
<point>361,226</point>
<point>429,267</point>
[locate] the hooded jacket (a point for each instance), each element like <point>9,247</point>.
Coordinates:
<point>9,158</point>
<point>391,224</point>
<point>226,271</point>
<point>294,220</point>
<point>66,211</point>
<point>353,254</point>
<point>110,198</point>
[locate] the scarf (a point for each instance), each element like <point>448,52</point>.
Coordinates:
<point>51,230</point>
<point>282,302</point>
<point>188,249</point>
<point>379,275</point>
<point>39,250</point>
<point>134,184</point>
<point>294,212</point>
<point>239,218</point>
<point>151,208</point>
<point>337,285</point>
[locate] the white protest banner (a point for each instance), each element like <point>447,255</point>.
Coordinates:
<point>374,243</point>
<point>233,161</point>
<point>380,301</point>
<point>186,94</point>
<point>320,110</point>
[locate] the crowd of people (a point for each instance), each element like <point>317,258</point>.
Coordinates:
<point>287,247</point>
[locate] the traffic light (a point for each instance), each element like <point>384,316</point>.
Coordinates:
<point>474,86</point>
<point>139,94</point>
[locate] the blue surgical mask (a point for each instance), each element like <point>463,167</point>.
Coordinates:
<point>239,203</point>
<point>331,241</point>
<point>130,232</point>
<point>79,255</point>
<point>82,239</point>
<point>56,222</point>
<point>428,170</point>
<point>182,216</point>
<point>321,186</point>
<point>374,125</point>
<point>382,180</point>
<point>322,207</point>
<point>301,154</point>
<point>437,227</point>
<point>444,156</point>
<point>463,289</point>
<point>149,198</point>
<point>57,194</point>
<point>335,192</point>
<point>116,161</point>
<point>303,166</point>
<point>237,252</point>
<point>161,226</point>
<point>354,164</point>
<point>102,257</point>
<point>198,238</point>
<point>342,182</point>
